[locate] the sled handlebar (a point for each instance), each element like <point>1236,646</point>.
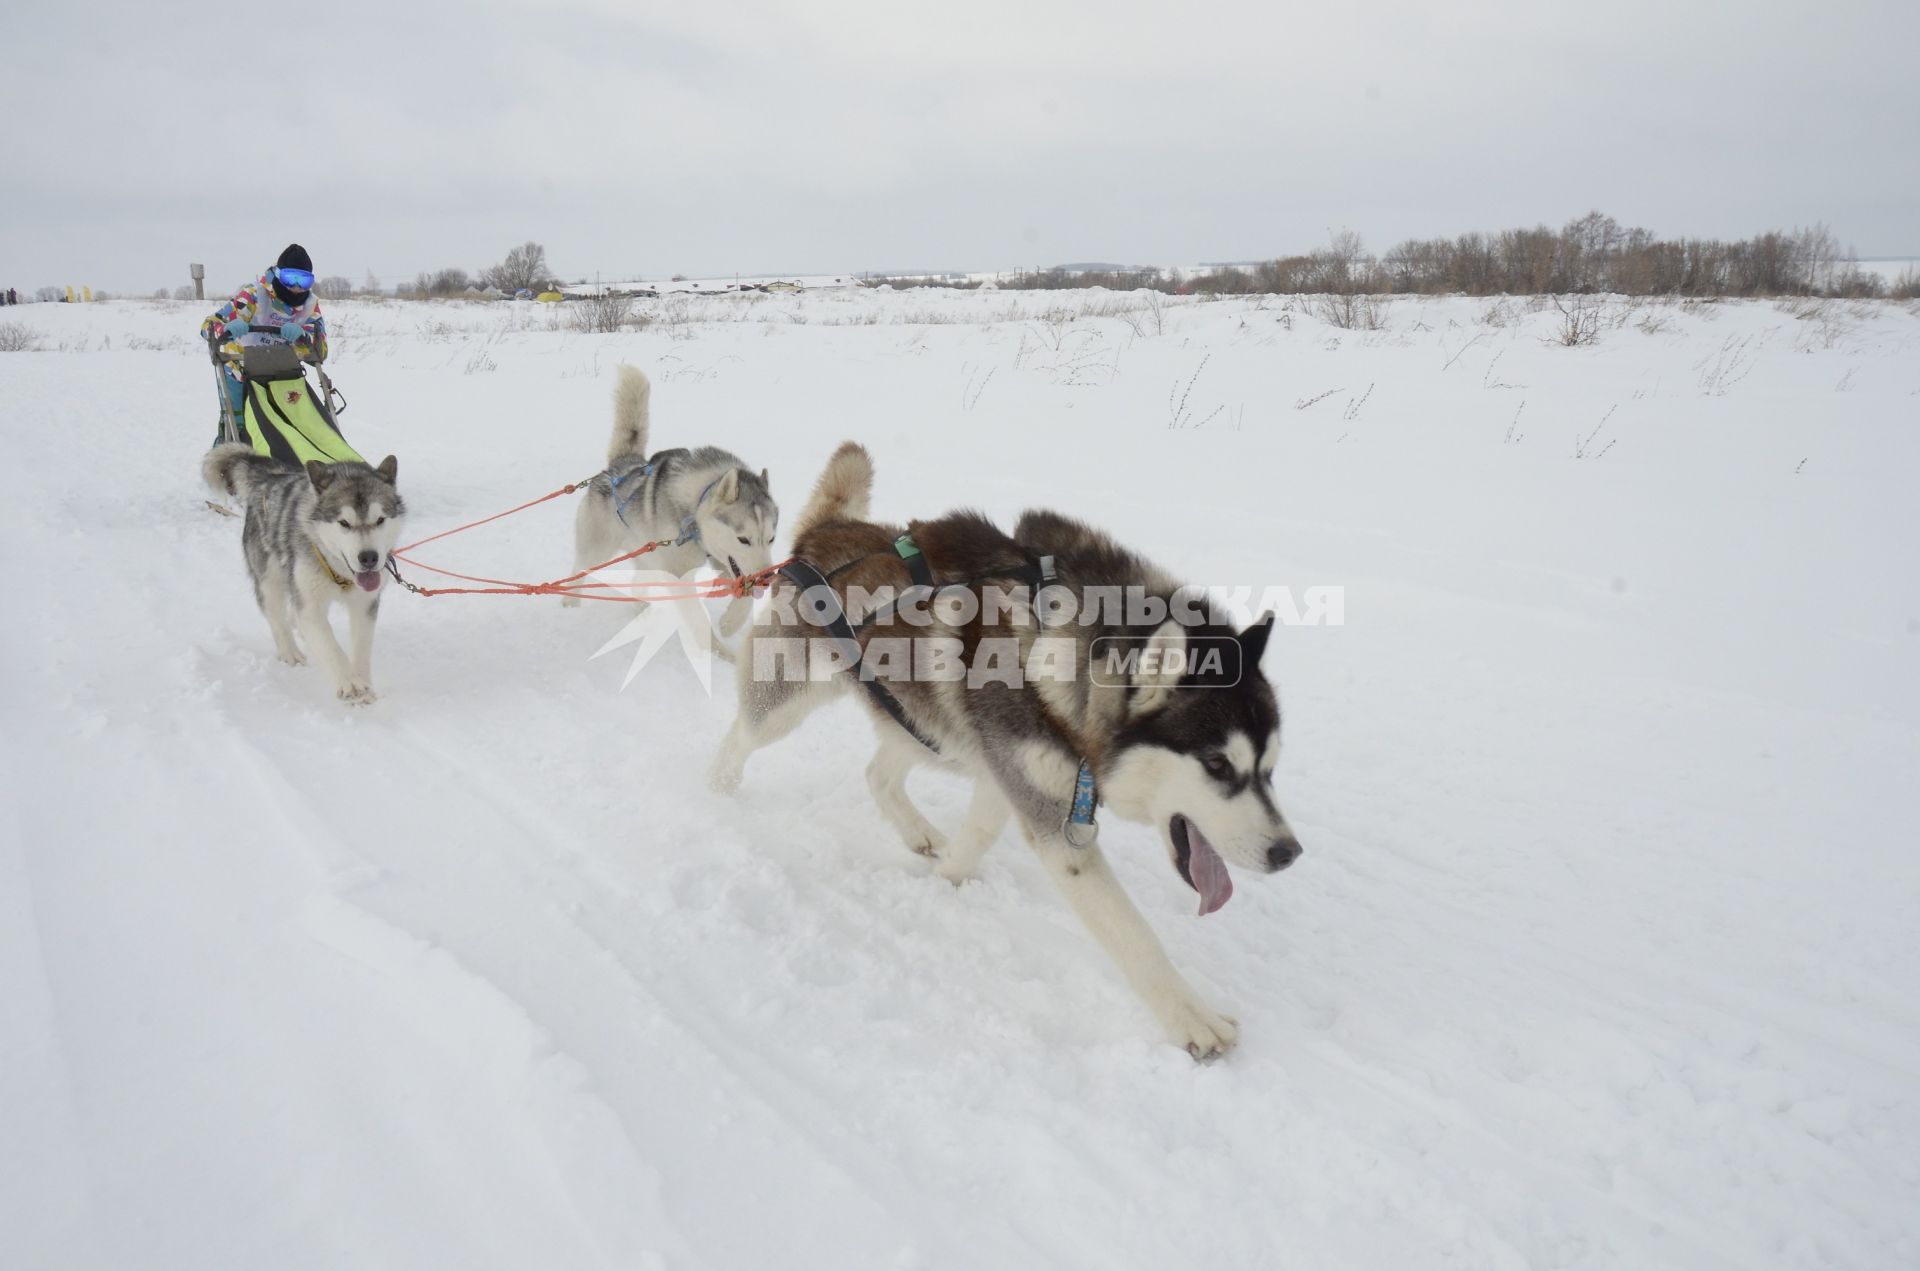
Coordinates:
<point>273,340</point>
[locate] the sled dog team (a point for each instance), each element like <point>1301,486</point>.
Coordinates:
<point>1184,743</point>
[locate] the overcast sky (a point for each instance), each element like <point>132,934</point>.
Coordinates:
<point>821,137</point>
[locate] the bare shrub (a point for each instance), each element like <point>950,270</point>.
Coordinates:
<point>602,314</point>
<point>1346,279</point>
<point>17,337</point>
<point>1579,321</point>
<point>1147,316</point>
<point>334,287</point>
<point>1352,311</point>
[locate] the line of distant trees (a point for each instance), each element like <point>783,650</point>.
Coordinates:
<point>1591,254</point>
<point>523,269</point>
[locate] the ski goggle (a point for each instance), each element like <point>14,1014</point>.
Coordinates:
<point>295,279</point>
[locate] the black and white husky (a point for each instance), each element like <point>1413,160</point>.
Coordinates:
<point>1180,729</point>
<point>315,536</point>
<point>706,503</point>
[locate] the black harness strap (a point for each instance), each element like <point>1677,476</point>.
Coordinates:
<point>1035,574</point>
<point>833,621</point>
<point>909,552</point>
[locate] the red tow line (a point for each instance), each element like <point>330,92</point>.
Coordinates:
<point>572,584</point>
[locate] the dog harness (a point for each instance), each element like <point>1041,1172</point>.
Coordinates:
<point>638,476</point>
<point>689,524</point>
<point>826,612</point>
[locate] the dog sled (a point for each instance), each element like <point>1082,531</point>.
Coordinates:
<point>280,415</point>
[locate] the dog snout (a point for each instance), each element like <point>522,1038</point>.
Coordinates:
<point>369,560</point>
<point>1282,853</point>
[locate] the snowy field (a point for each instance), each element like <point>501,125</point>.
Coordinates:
<point>1604,952</point>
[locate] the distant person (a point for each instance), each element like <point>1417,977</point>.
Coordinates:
<point>279,305</point>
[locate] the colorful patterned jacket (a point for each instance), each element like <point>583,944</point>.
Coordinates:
<point>257,306</point>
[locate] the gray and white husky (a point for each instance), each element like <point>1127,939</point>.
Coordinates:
<point>1169,735</point>
<point>315,536</point>
<point>707,502</point>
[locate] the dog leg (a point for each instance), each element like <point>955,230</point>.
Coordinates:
<point>987,813</point>
<point>274,605</point>
<point>1083,875</point>
<point>590,545</point>
<point>321,641</point>
<point>753,730</point>
<point>737,611</point>
<point>360,620</point>
<point>770,708</point>
<point>887,780</point>
<point>1038,783</point>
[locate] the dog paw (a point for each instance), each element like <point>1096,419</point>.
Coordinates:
<point>927,842</point>
<point>357,694</point>
<point>953,872</point>
<point>724,778</point>
<point>569,602</point>
<point>292,657</point>
<point>1202,1033</point>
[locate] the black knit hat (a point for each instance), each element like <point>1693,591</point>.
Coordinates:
<point>295,257</point>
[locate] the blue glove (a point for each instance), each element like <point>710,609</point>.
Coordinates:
<point>293,331</point>
<point>237,328</point>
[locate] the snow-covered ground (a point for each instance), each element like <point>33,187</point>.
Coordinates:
<point>1604,953</point>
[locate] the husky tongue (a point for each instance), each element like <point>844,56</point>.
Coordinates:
<point>1206,871</point>
<point>369,581</point>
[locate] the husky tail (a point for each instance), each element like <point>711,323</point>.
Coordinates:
<point>632,393</point>
<point>234,469</point>
<point>843,491</point>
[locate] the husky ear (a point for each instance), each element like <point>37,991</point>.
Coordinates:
<point>763,476</point>
<point>320,474</point>
<point>1161,665</point>
<point>1253,641</point>
<point>389,469</point>
<point>729,488</point>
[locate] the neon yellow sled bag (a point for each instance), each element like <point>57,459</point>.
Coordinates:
<point>285,418</point>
